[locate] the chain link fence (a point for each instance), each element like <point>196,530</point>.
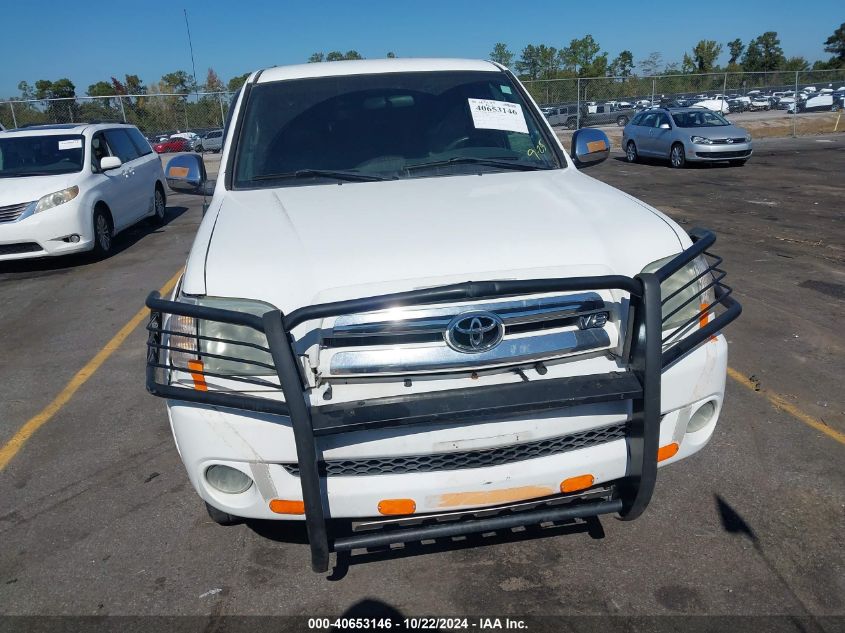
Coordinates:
<point>154,114</point>
<point>571,103</point>
<point>613,101</point>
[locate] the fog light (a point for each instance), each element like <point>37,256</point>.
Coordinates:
<point>227,479</point>
<point>701,417</point>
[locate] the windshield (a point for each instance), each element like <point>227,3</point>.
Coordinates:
<point>44,155</point>
<point>387,126</point>
<point>704,118</point>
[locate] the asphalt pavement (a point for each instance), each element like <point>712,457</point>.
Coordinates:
<point>97,516</point>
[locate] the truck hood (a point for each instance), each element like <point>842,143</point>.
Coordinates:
<point>295,246</point>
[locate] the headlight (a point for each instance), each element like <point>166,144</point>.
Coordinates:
<point>207,340</point>
<point>683,293</point>
<point>747,138</point>
<point>701,140</point>
<point>55,199</point>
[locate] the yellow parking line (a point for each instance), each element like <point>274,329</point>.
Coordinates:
<point>780,402</point>
<point>14,445</point>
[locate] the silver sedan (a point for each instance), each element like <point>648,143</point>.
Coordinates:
<point>684,135</point>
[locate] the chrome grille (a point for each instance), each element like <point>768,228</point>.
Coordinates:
<point>413,340</point>
<point>12,212</point>
<point>460,460</point>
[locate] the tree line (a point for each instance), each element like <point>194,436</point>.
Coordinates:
<point>164,104</point>
<point>583,57</point>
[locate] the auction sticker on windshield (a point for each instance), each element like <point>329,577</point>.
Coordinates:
<point>488,114</point>
<point>74,143</point>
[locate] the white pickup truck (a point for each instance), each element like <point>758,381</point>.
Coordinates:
<point>406,307</point>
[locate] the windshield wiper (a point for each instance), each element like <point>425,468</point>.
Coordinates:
<point>502,162</point>
<point>352,176</point>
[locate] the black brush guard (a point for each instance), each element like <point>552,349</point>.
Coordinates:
<point>644,358</point>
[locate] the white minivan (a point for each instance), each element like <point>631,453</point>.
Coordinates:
<point>71,187</point>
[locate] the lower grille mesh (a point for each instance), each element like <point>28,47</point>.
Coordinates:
<point>21,247</point>
<point>466,459</point>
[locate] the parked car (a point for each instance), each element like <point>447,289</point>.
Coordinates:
<point>71,188</point>
<point>173,144</point>
<point>566,115</point>
<point>212,141</point>
<point>194,141</point>
<point>345,343</point>
<point>786,103</point>
<point>607,113</point>
<point>716,105</point>
<point>685,135</point>
<point>760,103</point>
<point>821,102</point>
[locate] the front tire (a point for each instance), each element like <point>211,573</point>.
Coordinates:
<point>677,156</point>
<point>622,121</point>
<point>159,206</point>
<point>631,154</point>
<point>220,517</point>
<point>103,233</point>
<point>571,124</point>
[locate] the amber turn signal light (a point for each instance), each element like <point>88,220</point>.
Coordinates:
<point>397,506</point>
<point>665,452</point>
<point>195,367</point>
<point>286,506</point>
<point>574,484</point>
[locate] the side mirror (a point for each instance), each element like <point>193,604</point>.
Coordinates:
<point>589,147</point>
<point>665,126</point>
<point>186,174</point>
<point>109,162</point>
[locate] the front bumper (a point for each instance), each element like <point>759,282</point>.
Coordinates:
<point>727,151</point>
<point>279,430</point>
<point>263,447</point>
<point>46,234</point>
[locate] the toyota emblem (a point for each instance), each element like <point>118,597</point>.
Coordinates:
<point>474,332</point>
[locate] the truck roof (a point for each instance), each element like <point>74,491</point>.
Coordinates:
<point>370,66</point>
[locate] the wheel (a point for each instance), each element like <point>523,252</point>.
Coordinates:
<point>631,152</point>
<point>160,206</point>
<point>571,124</point>
<point>834,108</point>
<point>622,121</point>
<point>677,156</point>
<point>103,228</point>
<point>220,517</point>
<point>736,163</point>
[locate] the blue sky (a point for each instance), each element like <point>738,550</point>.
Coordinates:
<point>92,40</point>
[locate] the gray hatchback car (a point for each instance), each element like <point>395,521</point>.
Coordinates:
<point>684,135</point>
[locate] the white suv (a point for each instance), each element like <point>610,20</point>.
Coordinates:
<point>407,303</point>
<point>71,188</point>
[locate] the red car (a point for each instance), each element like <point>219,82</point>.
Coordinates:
<point>172,145</point>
